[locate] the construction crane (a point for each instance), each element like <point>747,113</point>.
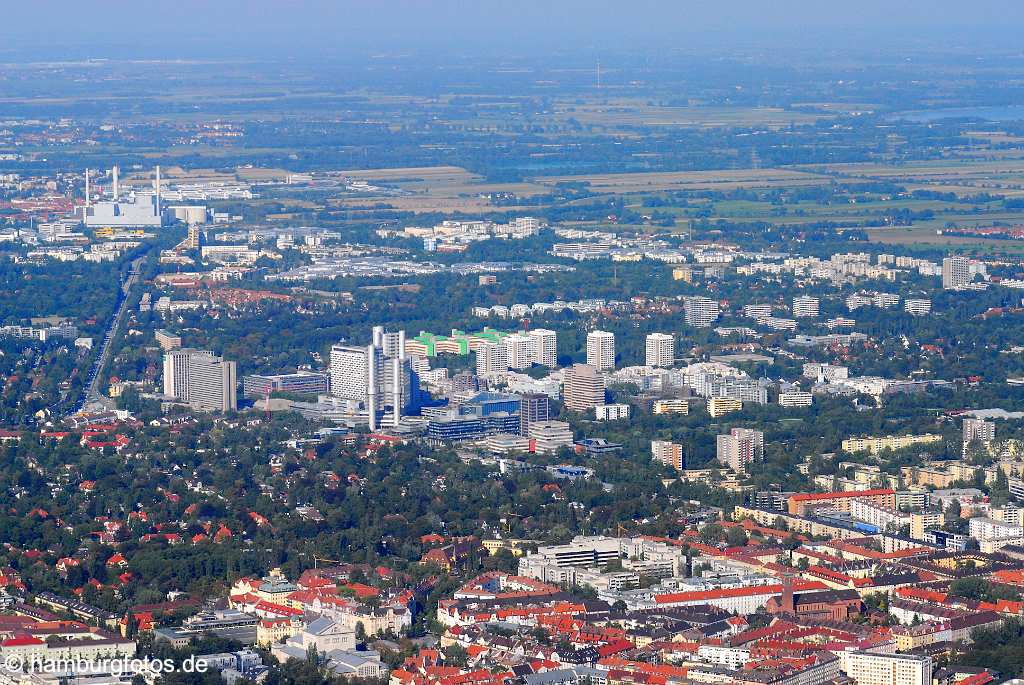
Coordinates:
<point>317,559</point>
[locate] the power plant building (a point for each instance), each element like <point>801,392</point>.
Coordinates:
<point>138,210</point>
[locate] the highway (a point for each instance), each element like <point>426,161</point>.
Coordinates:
<point>92,395</point>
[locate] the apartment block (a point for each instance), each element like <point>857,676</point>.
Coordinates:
<point>700,312</point>
<point>611,412</point>
<point>669,454</point>
<point>740,448</point>
<point>671,407</point>
<point>720,406</point>
<point>660,350</point>
<point>601,350</point>
<point>805,306</point>
<point>871,668</point>
<point>874,445</point>
<point>795,398</point>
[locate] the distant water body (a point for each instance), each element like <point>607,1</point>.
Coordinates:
<point>925,116</point>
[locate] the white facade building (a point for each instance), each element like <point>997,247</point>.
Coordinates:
<point>601,350</point>
<point>491,358</point>
<point>956,273</point>
<point>795,398</point>
<point>521,350</point>
<point>546,347</point>
<point>917,306</point>
<point>611,412</point>
<point>661,350</point>
<point>700,312</point>
<point>870,668</point>
<point>805,306</point>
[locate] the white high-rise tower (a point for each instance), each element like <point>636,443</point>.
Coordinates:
<point>601,350</point>
<point>661,349</point>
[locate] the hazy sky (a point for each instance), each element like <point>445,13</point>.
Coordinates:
<point>394,25</point>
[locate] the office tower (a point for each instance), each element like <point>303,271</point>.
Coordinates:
<point>669,454</point>
<point>176,372</point>
<point>546,347</point>
<point>700,312</point>
<point>956,273</point>
<point>741,447</point>
<point>393,344</point>
<point>491,358</point>
<point>661,349</point>
<point>583,388</point>
<point>520,350</point>
<point>211,382</point>
<point>348,372</point>
<point>201,379</point>
<point>533,407</point>
<point>378,381</point>
<point>805,306</point>
<point>601,350</point>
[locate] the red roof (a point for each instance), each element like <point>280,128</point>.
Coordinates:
<point>753,590</point>
<point>808,496</point>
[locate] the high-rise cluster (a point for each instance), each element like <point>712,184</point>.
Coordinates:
<point>378,378</point>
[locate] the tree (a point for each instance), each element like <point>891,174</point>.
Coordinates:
<point>736,537</point>
<point>712,532</point>
<point>456,655</point>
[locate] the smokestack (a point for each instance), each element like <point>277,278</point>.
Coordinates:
<point>401,345</point>
<point>787,603</point>
<point>86,189</point>
<point>158,190</point>
<point>117,188</point>
<point>371,386</point>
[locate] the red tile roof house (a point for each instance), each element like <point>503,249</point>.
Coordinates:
<point>9,435</point>
<point>117,560</point>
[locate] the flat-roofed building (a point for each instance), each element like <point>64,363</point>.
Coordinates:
<point>550,436</point>
<point>872,668</point>
<point>601,350</point>
<point>671,407</point>
<point>740,448</point>
<point>584,388</point>
<point>720,406</point>
<point>302,382</point>
<point>660,350</point>
<point>611,412</point>
<point>669,454</point>
<point>803,503</point>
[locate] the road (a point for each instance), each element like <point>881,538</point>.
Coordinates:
<point>92,395</point>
